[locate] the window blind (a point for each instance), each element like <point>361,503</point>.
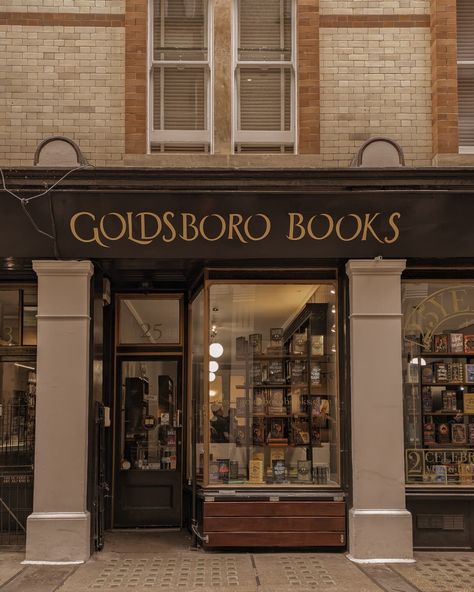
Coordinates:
<point>465,36</point>
<point>179,98</point>
<point>466,107</point>
<point>465,27</point>
<point>264,30</point>
<point>265,99</point>
<point>180,30</point>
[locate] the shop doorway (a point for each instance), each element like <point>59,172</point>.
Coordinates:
<point>148,443</point>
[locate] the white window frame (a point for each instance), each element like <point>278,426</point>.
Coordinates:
<point>183,137</point>
<point>257,137</point>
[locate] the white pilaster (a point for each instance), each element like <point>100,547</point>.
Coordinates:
<point>58,530</point>
<point>380,527</point>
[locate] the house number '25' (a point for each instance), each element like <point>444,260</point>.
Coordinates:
<point>151,331</point>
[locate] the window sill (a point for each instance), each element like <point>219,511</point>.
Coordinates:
<point>454,160</point>
<point>224,160</point>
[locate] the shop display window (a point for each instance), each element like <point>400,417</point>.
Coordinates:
<point>272,405</point>
<point>18,309</point>
<point>438,370</point>
<point>17,412</point>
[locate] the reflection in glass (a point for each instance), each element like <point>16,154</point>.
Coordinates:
<point>273,399</point>
<point>438,374</point>
<point>17,412</point>
<point>197,386</point>
<point>9,317</point>
<point>149,415</point>
<point>149,321</point>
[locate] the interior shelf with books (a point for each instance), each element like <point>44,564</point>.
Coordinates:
<point>439,406</point>
<point>282,427</point>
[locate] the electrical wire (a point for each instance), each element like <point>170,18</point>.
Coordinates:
<point>24,201</point>
<point>28,199</point>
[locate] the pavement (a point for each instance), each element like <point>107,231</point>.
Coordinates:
<point>139,561</point>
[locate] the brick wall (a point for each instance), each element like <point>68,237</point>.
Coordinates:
<point>374,6</point>
<point>64,6</point>
<point>445,84</point>
<point>375,82</point>
<point>60,80</point>
<point>365,67</point>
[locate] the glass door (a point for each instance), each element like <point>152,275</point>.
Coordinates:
<point>148,443</point>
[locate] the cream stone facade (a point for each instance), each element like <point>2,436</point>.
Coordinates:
<point>64,81</point>
<point>68,6</point>
<point>374,6</point>
<point>375,82</point>
<point>86,79</point>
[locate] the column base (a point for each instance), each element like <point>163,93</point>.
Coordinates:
<point>380,536</point>
<point>58,537</point>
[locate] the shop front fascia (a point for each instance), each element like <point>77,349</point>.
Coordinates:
<point>258,236</point>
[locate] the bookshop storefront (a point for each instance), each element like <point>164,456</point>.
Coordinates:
<point>273,363</point>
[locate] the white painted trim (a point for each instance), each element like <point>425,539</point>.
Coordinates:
<point>466,149</point>
<point>375,266</point>
<point>205,136</point>
<point>378,561</point>
<point>27,562</point>
<point>59,516</point>
<point>262,137</point>
<point>63,268</point>
<point>380,512</point>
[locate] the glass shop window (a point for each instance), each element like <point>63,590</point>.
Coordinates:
<point>272,408</point>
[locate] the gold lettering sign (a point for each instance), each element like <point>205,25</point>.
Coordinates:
<point>144,228</point>
<point>424,465</point>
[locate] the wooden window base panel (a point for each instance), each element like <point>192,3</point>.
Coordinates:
<point>275,524</point>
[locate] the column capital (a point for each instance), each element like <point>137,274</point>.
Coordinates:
<point>375,267</point>
<point>50,267</point>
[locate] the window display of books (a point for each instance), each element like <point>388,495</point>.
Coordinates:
<point>282,407</point>
<point>446,391</point>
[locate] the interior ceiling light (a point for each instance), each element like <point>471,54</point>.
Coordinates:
<point>213,366</point>
<point>216,350</point>
<point>212,376</point>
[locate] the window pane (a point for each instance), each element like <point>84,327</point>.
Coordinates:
<point>149,321</point>
<point>180,30</point>
<point>179,98</point>
<point>148,416</point>
<point>30,310</point>
<point>273,384</point>
<point>466,105</point>
<point>197,385</point>
<point>17,412</point>
<point>9,317</point>
<point>265,99</point>
<point>465,29</point>
<point>438,369</point>
<point>265,30</point>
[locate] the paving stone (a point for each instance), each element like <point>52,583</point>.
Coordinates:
<point>44,578</point>
<point>10,565</point>
<point>310,571</point>
<point>440,572</point>
<point>183,571</point>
